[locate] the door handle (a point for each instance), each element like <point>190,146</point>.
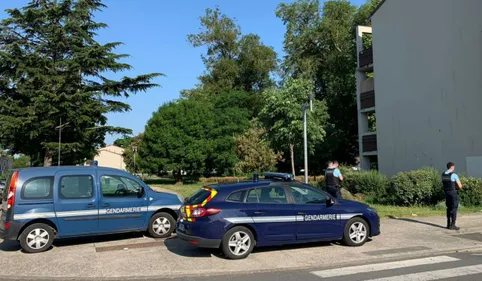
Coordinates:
<point>91,206</point>
<point>106,205</point>
<point>259,213</point>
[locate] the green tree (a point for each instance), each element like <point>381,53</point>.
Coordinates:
<point>282,116</point>
<point>177,138</point>
<point>21,161</point>
<point>233,60</point>
<point>254,151</point>
<point>52,68</point>
<point>123,142</point>
<point>319,45</point>
<point>129,151</point>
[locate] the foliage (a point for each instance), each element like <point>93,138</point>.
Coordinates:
<point>254,152</point>
<point>21,161</point>
<point>177,138</point>
<point>282,116</point>
<point>319,45</point>
<point>371,183</point>
<point>135,143</point>
<point>471,193</point>
<point>123,142</point>
<point>233,60</point>
<point>52,68</point>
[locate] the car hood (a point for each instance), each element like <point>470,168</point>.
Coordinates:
<point>352,203</point>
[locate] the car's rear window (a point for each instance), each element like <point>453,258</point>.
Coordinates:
<point>199,196</point>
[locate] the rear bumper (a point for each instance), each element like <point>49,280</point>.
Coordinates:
<point>198,241</point>
<point>12,232</point>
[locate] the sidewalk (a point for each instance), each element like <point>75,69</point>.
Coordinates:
<point>137,256</point>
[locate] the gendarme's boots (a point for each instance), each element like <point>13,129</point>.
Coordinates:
<point>453,226</point>
<point>449,223</point>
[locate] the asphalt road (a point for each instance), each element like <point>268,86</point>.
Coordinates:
<point>452,267</point>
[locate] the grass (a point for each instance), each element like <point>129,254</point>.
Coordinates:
<point>384,211</point>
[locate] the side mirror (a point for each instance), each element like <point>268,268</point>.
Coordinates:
<point>140,192</point>
<point>330,202</point>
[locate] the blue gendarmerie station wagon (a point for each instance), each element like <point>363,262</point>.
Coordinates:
<point>274,211</point>
<point>41,204</point>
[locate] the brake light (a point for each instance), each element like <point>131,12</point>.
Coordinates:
<point>11,190</point>
<point>203,212</point>
<point>7,225</point>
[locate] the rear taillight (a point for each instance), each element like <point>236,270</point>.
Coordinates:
<point>203,212</point>
<point>11,190</point>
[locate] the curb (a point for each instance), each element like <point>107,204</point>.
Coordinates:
<point>368,260</point>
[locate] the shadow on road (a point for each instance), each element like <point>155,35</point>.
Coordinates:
<point>420,222</point>
<point>182,248</point>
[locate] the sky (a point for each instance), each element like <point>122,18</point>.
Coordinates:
<point>154,33</point>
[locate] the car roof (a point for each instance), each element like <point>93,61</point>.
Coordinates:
<point>242,185</point>
<point>54,169</point>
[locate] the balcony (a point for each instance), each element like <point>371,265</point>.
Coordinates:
<point>365,59</point>
<point>369,142</point>
<point>367,101</point>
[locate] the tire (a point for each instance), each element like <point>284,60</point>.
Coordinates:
<point>36,238</point>
<point>161,225</point>
<point>356,232</point>
<point>238,236</point>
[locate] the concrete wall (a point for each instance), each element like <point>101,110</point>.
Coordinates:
<point>428,84</point>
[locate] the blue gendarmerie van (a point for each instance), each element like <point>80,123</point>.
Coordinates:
<point>42,204</point>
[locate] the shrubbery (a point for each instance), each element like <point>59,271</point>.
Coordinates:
<point>418,187</point>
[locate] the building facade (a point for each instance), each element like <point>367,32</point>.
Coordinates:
<point>427,68</point>
<point>111,156</point>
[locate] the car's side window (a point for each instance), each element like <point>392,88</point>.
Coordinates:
<point>273,195</point>
<point>37,188</point>
<point>237,196</point>
<point>117,186</point>
<point>253,196</point>
<point>304,195</point>
<point>76,187</point>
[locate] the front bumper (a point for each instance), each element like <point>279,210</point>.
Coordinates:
<point>198,241</point>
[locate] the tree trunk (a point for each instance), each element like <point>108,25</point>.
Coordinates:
<point>292,156</point>
<point>47,158</point>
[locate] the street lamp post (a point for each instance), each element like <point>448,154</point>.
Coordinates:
<point>134,150</point>
<point>60,127</point>
<point>305,133</point>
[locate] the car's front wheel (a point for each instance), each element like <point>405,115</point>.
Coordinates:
<point>36,238</point>
<point>356,232</point>
<point>237,243</point>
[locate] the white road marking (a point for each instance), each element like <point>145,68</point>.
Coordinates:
<point>381,266</point>
<point>435,275</point>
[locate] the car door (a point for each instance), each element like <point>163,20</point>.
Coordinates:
<point>123,203</point>
<point>275,217</point>
<point>315,220</point>
<point>77,204</point>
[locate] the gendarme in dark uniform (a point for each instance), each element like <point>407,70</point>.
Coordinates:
<point>451,184</point>
<point>333,178</point>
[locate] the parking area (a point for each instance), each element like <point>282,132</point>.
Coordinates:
<point>135,255</point>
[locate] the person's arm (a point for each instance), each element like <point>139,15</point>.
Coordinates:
<point>457,180</point>
<point>338,174</point>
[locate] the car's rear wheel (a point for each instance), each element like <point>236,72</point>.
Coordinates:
<point>237,243</point>
<point>161,225</point>
<point>36,238</point>
<point>356,232</point>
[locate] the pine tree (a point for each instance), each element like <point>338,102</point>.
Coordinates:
<point>52,69</point>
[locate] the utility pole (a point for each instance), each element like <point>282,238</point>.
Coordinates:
<point>305,133</point>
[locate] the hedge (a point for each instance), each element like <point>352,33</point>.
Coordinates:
<point>417,187</point>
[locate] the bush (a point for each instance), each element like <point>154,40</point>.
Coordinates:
<point>471,192</point>
<point>419,187</point>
